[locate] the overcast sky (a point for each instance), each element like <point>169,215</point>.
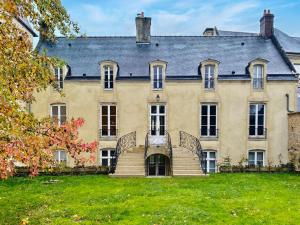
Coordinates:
<point>181,17</point>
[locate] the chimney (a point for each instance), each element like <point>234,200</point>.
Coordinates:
<point>143,25</point>
<point>266,24</point>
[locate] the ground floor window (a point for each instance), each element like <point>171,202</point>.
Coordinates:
<point>210,161</point>
<point>256,158</point>
<point>107,157</point>
<point>60,156</point>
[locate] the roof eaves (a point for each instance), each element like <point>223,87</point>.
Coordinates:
<point>34,34</point>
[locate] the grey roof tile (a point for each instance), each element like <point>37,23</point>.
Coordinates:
<point>288,43</point>
<point>182,53</point>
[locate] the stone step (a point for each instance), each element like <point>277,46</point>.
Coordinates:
<point>187,171</point>
<point>186,167</point>
<point>127,175</point>
<point>189,175</point>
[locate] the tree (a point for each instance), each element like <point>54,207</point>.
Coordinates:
<point>23,137</point>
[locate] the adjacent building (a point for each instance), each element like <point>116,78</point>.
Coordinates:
<point>176,105</point>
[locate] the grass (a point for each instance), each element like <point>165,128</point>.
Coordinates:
<point>217,199</point>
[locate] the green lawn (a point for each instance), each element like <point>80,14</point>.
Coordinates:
<point>217,199</point>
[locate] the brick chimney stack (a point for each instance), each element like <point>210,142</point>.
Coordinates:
<point>267,24</point>
<point>143,27</point>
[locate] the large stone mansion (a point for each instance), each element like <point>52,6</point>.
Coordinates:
<point>177,105</point>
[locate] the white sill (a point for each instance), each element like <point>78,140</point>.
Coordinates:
<point>108,138</point>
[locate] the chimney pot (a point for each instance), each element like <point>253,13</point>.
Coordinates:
<point>266,24</point>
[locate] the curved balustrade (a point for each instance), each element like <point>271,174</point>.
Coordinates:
<point>192,143</point>
<point>125,142</point>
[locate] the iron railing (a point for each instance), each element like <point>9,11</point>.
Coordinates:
<point>125,142</point>
<point>192,143</point>
<point>167,143</point>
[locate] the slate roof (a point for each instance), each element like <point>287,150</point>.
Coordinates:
<point>234,33</point>
<point>288,43</point>
<point>182,53</point>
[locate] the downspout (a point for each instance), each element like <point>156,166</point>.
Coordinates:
<point>288,103</point>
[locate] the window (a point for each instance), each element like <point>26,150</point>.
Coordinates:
<point>157,77</point>
<point>60,156</point>
<point>209,77</point>
<point>210,161</point>
<point>257,120</point>
<point>108,120</point>
<point>209,120</point>
<point>256,158</point>
<point>107,157</point>
<point>108,77</point>
<point>59,77</point>
<point>258,77</point>
<point>58,113</point>
<point>157,120</point>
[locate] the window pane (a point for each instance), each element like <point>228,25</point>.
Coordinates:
<point>212,166</point>
<point>204,130</point>
<point>104,153</point>
<point>204,120</point>
<point>153,109</point>
<point>63,119</point>
<point>54,110</point>
<point>112,153</point>
<point>212,131</point>
<point>113,110</point>
<point>260,156</point>
<point>161,109</point>
<point>251,156</point>
<point>213,120</point>
<point>252,120</point>
<point>212,155</point>
<point>104,120</point>
<point>253,109</point>
<point>252,130</point>
<point>56,155</point>
<point>260,130</point>
<point>63,110</point>
<point>104,162</point>
<point>205,155</point>
<point>113,130</point>
<point>213,110</point>
<point>104,131</point>
<point>63,156</point>
<point>260,120</point>
<point>261,109</point>
<point>204,110</point>
<point>113,120</point>
<point>104,110</point>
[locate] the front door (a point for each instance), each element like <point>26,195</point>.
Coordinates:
<point>157,124</point>
<point>157,165</point>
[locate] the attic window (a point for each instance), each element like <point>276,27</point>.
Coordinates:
<point>59,77</point>
<point>233,72</point>
<point>108,77</point>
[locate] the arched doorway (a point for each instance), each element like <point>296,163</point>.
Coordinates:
<point>158,165</point>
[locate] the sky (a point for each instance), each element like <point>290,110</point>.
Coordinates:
<point>181,17</point>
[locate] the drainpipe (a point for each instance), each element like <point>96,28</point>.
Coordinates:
<point>288,103</point>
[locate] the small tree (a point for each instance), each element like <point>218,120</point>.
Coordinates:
<point>23,137</point>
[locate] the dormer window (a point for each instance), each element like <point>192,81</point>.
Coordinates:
<point>209,77</point>
<point>108,77</point>
<point>157,77</point>
<point>258,71</point>
<point>59,77</point>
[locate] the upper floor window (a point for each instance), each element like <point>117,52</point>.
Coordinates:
<point>256,158</point>
<point>60,156</point>
<point>257,120</point>
<point>209,82</point>
<point>108,121</point>
<point>258,71</point>
<point>58,113</point>
<point>59,77</point>
<point>208,120</point>
<point>108,77</point>
<point>157,77</point>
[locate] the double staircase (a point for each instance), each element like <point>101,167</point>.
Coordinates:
<point>184,160</point>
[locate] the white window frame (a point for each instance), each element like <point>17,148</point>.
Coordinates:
<point>110,71</point>
<point>208,120</point>
<point>58,112</point>
<point>210,76</point>
<point>156,69</point>
<point>108,120</point>
<point>58,71</point>
<point>109,156</point>
<point>157,114</point>
<point>59,152</point>
<point>208,159</point>
<point>256,120</point>
<point>255,157</point>
<point>256,70</point>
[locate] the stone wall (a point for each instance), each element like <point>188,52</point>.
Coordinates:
<point>294,138</point>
